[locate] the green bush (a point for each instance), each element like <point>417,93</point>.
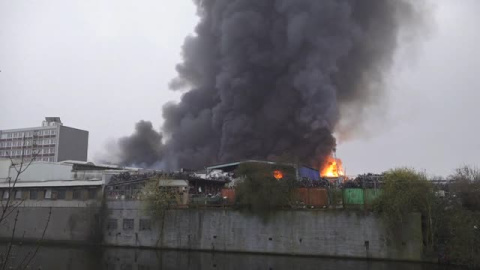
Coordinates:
<point>259,191</point>
<point>406,191</point>
<point>158,198</point>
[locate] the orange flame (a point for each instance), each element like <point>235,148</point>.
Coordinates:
<point>332,168</point>
<point>278,174</point>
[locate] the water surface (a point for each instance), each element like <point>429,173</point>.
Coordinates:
<point>64,257</point>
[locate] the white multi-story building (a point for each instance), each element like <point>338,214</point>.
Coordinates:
<point>51,142</point>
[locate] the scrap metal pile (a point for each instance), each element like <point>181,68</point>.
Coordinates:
<point>368,180</point>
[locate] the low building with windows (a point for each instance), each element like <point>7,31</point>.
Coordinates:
<point>63,184</point>
<point>51,142</point>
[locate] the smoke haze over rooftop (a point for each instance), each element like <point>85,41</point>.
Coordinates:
<point>102,67</point>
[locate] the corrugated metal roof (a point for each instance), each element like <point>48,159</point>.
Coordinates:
<point>219,166</point>
<point>172,183</point>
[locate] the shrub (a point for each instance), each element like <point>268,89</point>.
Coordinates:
<point>158,198</point>
<point>406,191</point>
<point>259,191</point>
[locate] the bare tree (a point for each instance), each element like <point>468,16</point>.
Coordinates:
<point>9,205</point>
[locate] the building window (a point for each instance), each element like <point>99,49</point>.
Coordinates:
<point>92,194</point>
<point>18,195</point>
<point>6,195</point>
<point>4,136</point>
<point>77,194</point>
<point>33,194</point>
<point>128,224</point>
<point>61,194</point>
<point>112,224</point>
<point>53,132</point>
<point>145,225</point>
<point>48,194</point>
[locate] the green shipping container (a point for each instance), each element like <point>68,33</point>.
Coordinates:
<point>353,196</point>
<point>358,196</point>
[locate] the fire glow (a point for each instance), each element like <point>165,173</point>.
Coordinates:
<point>332,168</point>
<point>278,174</point>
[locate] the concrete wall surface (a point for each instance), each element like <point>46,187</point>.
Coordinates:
<point>69,224</point>
<point>309,232</point>
<point>293,232</point>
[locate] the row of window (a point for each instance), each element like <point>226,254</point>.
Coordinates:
<point>37,158</point>
<point>29,151</point>
<point>28,143</point>
<point>51,194</point>
<point>26,152</point>
<point>10,135</point>
<point>129,224</point>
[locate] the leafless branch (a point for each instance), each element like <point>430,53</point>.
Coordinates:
<point>10,244</point>
<point>29,257</point>
<point>9,205</point>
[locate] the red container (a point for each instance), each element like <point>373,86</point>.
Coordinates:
<point>316,197</point>
<point>229,195</point>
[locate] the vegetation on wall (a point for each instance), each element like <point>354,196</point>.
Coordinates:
<point>405,191</point>
<point>458,226</point>
<point>451,221</point>
<point>158,198</point>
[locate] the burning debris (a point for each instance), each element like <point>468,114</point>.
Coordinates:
<point>270,78</point>
<point>332,167</point>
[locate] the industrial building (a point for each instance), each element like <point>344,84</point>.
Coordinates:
<point>51,142</point>
<point>74,181</point>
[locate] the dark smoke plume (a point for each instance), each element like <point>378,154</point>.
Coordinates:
<point>269,78</point>
<point>142,148</point>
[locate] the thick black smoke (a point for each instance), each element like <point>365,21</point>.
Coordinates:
<point>143,147</point>
<point>269,78</point>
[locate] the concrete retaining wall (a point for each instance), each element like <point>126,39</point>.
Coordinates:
<point>316,233</point>
<point>68,222</point>
<point>305,232</point>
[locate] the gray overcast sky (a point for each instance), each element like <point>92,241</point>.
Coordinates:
<point>104,65</point>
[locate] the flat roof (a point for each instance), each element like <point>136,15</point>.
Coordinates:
<point>38,128</point>
<point>26,129</point>
<point>61,183</point>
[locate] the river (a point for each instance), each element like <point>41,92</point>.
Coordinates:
<point>91,258</point>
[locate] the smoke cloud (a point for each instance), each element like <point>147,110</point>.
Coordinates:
<point>271,78</point>
<point>143,148</point>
